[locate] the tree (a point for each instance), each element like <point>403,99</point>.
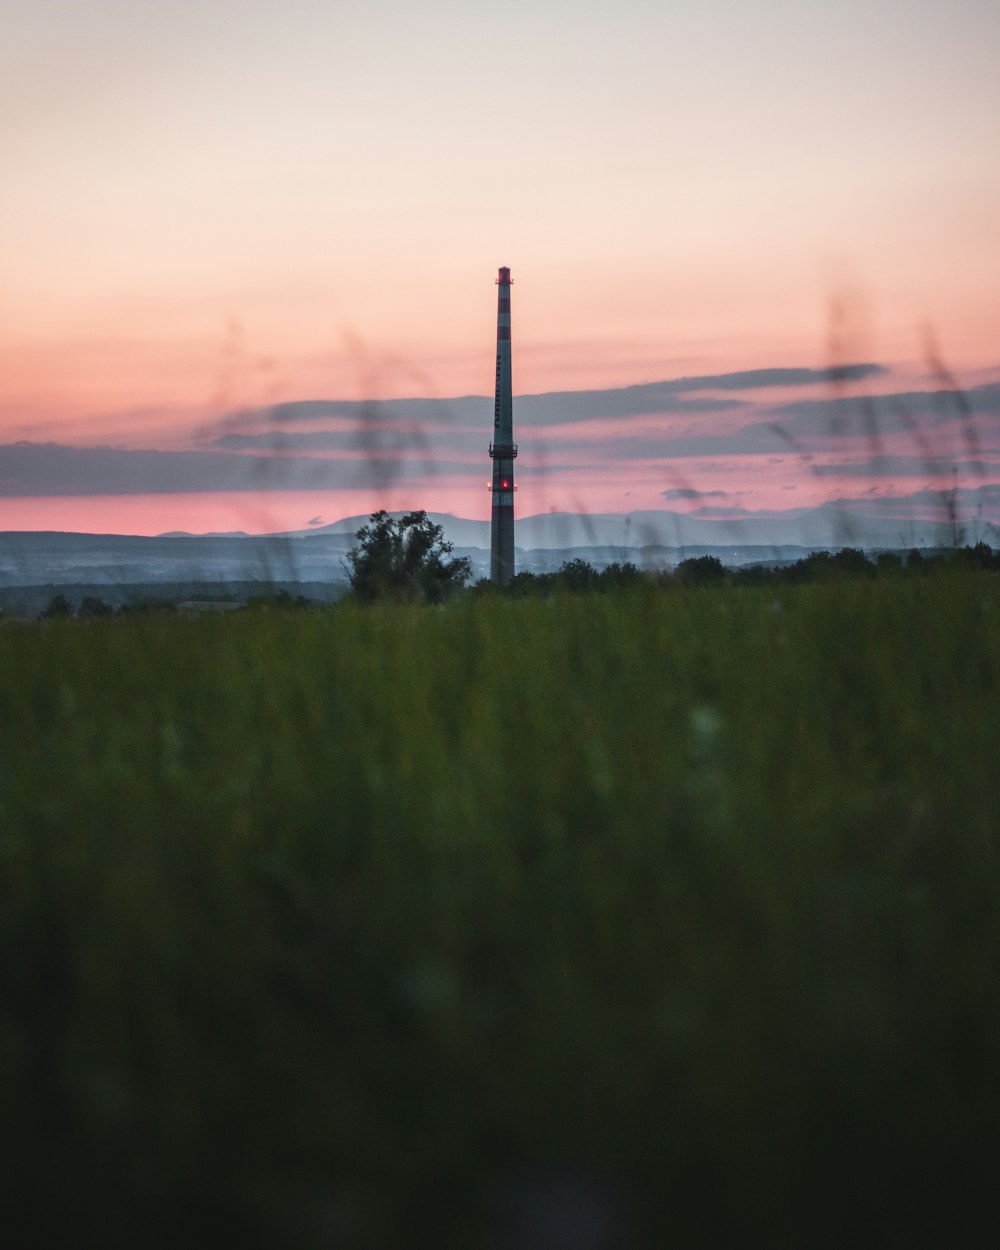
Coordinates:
<point>58,607</point>
<point>889,562</point>
<point>282,599</point>
<point>620,575</point>
<point>92,606</point>
<point>851,562</point>
<point>700,571</point>
<point>577,575</point>
<point>405,559</point>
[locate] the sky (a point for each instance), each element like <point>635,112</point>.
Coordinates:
<point>250,251</point>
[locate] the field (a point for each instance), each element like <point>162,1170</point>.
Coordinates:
<point>651,919</point>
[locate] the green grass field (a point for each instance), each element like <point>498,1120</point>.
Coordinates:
<point>658,919</point>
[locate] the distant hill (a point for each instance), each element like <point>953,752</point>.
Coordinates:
<point>651,539</point>
<point>107,559</point>
<point>827,526</point>
<point>457,530</point>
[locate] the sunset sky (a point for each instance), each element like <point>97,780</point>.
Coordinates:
<point>249,252</point>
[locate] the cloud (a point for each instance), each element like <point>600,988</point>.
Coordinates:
<point>386,442</point>
<point>372,436</point>
<point>754,379</point>
<point>475,412</point>
<point>923,517</point>
<point>400,429</point>
<point>810,425</point>
<point>28,469</point>
<point>967,497</point>
<point>559,407</point>
<point>754,440</point>
<point>720,510</point>
<point>908,466</point>
<point>968,501</point>
<point>900,413</point>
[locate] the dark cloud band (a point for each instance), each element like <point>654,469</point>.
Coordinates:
<point>559,407</point>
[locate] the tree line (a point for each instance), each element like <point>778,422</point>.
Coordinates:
<point>408,560</point>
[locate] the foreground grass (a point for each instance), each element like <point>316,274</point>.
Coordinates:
<point>649,919</point>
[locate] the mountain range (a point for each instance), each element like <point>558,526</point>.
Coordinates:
<point>654,538</point>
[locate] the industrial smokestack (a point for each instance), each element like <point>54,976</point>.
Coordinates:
<point>503,449</point>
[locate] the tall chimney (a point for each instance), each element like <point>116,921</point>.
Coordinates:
<point>503,449</point>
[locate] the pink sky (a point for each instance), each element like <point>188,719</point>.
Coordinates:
<point>227,211</point>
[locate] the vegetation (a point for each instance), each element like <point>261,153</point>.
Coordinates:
<point>426,575</point>
<point>632,919</point>
<point>406,560</point>
<point>58,606</point>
